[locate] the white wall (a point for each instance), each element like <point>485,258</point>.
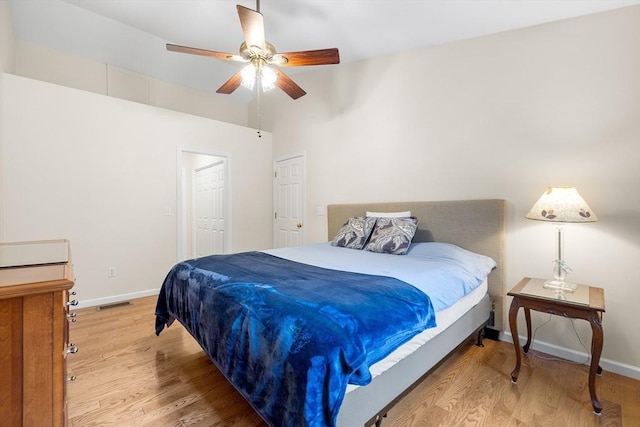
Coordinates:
<point>7,49</point>
<point>43,63</point>
<point>50,65</point>
<point>502,116</point>
<point>101,172</point>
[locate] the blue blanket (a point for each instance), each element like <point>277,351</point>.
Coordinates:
<point>290,336</point>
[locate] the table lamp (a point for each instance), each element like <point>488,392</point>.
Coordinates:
<point>560,205</point>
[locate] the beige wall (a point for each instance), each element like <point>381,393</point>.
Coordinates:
<point>101,172</point>
<point>7,42</point>
<point>502,116</point>
<point>82,136</point>
<point>42,63</point>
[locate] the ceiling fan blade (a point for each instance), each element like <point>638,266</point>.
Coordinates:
<point>308,57</point>
<point>252,23</point>
<point>205,52</point>
<point>232,84</point>
<point>290,87</point>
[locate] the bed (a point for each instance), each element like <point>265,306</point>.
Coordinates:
<point>376,383</point>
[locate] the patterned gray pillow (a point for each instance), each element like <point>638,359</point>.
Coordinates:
<point>392,235</point>
<point>354,233</point>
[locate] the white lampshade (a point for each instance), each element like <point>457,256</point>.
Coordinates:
<point>561,204</point>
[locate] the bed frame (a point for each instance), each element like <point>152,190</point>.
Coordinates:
<point>476,225</point>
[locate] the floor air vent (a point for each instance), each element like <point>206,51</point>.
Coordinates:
<point>113,305</point>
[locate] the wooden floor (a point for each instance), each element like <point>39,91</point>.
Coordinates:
<point>126,376</point>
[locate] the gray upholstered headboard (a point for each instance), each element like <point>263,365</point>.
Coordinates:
<point>476,225</point>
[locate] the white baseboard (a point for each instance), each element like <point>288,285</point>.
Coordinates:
<point>116,298</point>
<point>577,356</point>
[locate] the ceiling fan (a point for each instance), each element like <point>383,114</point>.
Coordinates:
<point>262,58</point>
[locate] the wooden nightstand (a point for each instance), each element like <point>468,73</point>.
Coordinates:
<point>586,303</point>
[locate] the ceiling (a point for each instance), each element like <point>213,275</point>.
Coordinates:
<point>132,34</point>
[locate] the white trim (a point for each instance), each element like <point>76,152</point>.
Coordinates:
<point>209,165</point>
<point>2,168</point>
<point>290,156</point>
<point>194,225</point>
<point>116,298</point>
<point>577,356</point>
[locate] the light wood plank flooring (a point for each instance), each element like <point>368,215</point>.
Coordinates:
<point>126,376</point>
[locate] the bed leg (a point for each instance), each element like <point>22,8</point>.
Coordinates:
<point>479,342</point>
<point>379,420</point>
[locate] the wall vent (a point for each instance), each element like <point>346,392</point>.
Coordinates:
<point>113,305</point>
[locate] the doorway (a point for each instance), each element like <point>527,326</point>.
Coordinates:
<point>203,204</point>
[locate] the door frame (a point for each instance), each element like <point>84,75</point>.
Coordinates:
<point>181,199</point>
<point>303,198</point>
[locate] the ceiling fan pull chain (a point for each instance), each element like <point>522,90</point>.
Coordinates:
<point>258,112</point>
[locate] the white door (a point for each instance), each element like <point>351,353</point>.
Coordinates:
<point>209,212</point>
<point>289,198</point>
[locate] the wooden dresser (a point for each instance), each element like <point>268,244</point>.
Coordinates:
<point>35,281</point>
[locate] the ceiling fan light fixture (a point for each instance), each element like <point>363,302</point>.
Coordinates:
<point>268,79</point>
<point>249,76</point>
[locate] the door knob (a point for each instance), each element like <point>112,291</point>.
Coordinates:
<point>299,225</point>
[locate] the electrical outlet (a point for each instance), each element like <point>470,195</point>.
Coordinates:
<point>111,272</point>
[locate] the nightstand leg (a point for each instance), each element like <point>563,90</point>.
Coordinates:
<point>513,325</point>
<point>596,351</point>
<point>527,317</point>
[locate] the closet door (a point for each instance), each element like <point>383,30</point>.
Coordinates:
<point>289,199</point>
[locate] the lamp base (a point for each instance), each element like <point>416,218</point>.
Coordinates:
<point>558,285</point>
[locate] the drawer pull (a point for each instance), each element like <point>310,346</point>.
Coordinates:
<point>72,302</point>
<point>71,317</point>
<point>71,378</point>
<point>72,348</point>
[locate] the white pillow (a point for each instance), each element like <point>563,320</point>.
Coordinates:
<point>479,265</point>
<point>403,214</point>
